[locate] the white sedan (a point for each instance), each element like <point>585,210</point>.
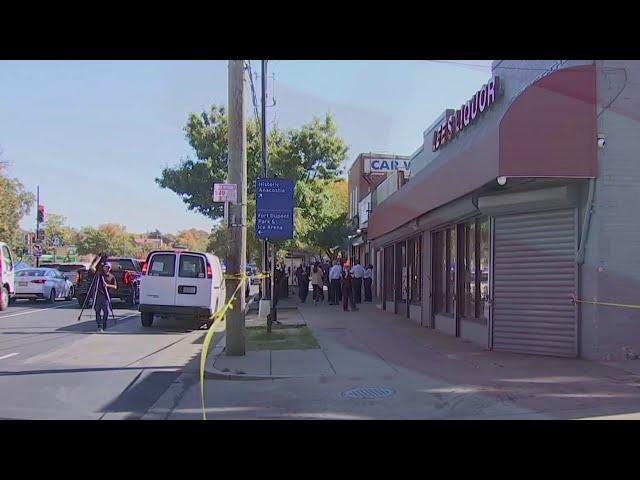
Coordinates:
<point>42,283</point>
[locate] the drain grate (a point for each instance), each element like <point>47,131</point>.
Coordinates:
<point>369,392</point>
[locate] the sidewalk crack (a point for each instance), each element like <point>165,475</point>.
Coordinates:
<point>328,361</point>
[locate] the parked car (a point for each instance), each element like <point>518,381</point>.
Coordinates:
<point>71,271</point>
<point>7,276</point>
<point>127,272</point>
<point>181,284</point>
<point>43,283</point>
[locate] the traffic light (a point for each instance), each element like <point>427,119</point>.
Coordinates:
<point>40,213</point>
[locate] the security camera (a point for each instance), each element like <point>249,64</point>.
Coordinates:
<point>601,142</point>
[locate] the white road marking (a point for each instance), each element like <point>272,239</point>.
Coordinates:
<point>9,356</point>
<point>34,311</point>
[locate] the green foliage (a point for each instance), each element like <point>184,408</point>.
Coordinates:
<point>15,203</point>
<point>54,226</point>
<point>108,238</point>
<point>193,239</point>
<point>311,155</point>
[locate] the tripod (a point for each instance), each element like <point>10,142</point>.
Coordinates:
<point>97,278</point>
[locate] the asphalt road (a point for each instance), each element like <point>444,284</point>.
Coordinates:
<point>54,366</point>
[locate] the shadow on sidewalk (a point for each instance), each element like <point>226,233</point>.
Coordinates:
<point>568,388</point>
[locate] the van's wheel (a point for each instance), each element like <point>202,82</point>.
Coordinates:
<point>4,299</point>
<point>81,300</point>
<point>146,318</point>
<point>52,296</point>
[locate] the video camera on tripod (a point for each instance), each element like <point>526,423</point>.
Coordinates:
<point>96,269</point>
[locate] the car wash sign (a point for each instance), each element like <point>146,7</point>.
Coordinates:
<point>467,114</point>
<point>386,165</point>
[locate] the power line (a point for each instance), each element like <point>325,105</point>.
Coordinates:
<point>253,95</point>
<point>486,67</point>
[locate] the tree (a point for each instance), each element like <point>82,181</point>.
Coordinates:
<point>333,229</point>
<point>193,239</point>
<point>311,155</point>
<point>219,244</point>
<point>54,226</point>
<point>219,240</point>
<point>108,238</point>
<point>15,203</point>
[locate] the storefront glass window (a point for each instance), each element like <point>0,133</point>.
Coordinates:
<point>401,249</point>
<point>483,252</point>
<point>468,265</point>
<point>414,262</point>
<point>388,274</point>
<point>451,270</point>
<point>474,269</point>
<point>439,272</point>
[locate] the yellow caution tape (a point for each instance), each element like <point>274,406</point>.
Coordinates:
<point>574,300</point>
<point>217,317</point>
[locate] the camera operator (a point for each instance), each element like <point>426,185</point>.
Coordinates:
<point>104,280</point>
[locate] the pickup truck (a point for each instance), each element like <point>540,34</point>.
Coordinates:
<point>127,272</point>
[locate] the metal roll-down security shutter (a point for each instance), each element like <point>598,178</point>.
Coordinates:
<point>534,280</point>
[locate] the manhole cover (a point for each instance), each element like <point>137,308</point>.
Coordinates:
<point>369,392</point>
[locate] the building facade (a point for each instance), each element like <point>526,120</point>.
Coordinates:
<point>364,179</point>
<point>518,227</point>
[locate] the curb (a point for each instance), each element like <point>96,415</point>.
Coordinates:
<point>212,373</point>
<point>215,374</point>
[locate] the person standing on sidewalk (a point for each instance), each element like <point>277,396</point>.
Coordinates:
<point>316,280</point>
<point>368,280</point>
<point>334,283</point>
<point>346,283</point>
<point>358,273</point>
<point>303,284</point>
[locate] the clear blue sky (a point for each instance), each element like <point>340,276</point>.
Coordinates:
<point>95,134</point>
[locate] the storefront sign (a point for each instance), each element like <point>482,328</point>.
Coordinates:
<point>382,165</point>
<point>468,113</point>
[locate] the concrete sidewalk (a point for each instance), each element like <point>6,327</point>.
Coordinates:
<point>560,387</point>
<point>412,372</point>
<point>270,364</point>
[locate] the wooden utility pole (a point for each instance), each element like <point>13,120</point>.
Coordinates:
<point>266,287</point>
<point>237,173</point>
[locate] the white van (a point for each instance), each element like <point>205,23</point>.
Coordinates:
<point>7,281</point>
<point>181,283</point>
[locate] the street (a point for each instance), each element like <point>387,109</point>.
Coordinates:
<point>53,366</point>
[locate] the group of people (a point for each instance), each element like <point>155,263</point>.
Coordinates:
<point>345,283</point>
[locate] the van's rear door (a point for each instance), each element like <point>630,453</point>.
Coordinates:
<point>158,286</point>
<point>193,288</point>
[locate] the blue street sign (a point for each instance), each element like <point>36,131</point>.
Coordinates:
<point>274,209</point>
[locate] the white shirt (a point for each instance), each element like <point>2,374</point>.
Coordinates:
<point>357,271</point>
<point>368,273</point>
<point>335,272</point>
